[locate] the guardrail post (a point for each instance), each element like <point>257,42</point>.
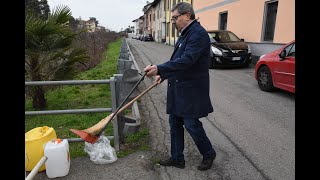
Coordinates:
<point>124,64</point>
<point>120,97</point>
<point>114,108</point>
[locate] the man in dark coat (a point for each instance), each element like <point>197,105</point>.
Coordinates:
<point>188,98</point>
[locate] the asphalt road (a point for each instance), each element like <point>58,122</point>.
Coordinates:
<point>253,131</point>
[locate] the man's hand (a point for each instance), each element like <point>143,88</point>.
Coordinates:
<point>151,70</point>
<point>158,79</point>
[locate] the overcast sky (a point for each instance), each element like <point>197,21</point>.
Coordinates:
<point>112,14</point>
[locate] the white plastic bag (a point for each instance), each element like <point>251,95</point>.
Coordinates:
<point>101,152</point>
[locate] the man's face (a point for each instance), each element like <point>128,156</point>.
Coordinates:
<point>180,20</point>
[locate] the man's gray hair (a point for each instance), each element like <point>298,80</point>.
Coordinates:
<point>183,8</point>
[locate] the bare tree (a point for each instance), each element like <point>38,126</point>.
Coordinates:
<point>95,44</point>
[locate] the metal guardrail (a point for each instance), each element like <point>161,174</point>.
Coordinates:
<point>110,81</point>
<point>70,82</point>
<point>69,111</point>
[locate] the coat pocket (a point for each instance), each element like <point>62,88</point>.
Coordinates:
<point>188,93</point>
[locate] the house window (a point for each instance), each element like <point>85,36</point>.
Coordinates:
<point>173,2</point>
<point>270,20</point>
<point>167,29</point>
<point>223,17</point>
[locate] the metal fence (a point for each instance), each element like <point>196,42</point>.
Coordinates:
<point>111,81</point>
<point>127,125</point>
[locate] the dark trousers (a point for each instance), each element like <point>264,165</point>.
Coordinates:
<point>195,129</point>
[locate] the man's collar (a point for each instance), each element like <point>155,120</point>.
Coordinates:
<point>186,26</point>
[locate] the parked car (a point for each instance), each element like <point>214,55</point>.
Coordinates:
<point>228,50</point>
<point>134,36</point>
<point>277,69</point>
<point>141,37</point>
<point>147,37</point>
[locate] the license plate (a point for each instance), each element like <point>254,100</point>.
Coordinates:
<point>236,58</point>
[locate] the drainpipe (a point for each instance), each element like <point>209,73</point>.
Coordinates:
<point>169,22</point>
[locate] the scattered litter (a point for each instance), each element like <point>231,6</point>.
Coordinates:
<point>101,152</point>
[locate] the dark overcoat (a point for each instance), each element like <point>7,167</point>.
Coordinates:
<point>187,73</point>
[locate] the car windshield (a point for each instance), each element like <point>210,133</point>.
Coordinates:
<point>223,37</point>
<point>212,40</point>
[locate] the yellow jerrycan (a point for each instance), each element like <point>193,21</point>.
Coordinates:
<point>35,141</point>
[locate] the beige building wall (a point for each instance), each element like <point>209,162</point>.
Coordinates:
<point>285,25</point>
<point>150,23</point>
<point>159,25</point>
<point>162,20</point>
<point>246,17</point>
<point>140,25</point>
<point>89,25</point>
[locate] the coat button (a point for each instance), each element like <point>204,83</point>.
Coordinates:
<point>177,80</point>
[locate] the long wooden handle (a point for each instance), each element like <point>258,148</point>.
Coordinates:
<point>136,98</point>
<point>101,125</point>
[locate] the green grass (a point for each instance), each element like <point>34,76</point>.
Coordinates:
<point>81,97</point>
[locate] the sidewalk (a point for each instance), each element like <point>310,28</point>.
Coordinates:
<point>134,166</point>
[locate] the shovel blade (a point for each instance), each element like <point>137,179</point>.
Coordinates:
<point>85,136</point>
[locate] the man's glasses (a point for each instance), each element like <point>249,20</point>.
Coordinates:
<point>174,18</point>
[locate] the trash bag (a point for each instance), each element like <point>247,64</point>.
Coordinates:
<point>101,152</point>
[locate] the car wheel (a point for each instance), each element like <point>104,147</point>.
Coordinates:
<point>265,79</point>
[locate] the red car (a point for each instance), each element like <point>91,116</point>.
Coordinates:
<point>277,69</point>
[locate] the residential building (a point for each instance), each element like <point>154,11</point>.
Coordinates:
<point>264,24</point>
<point>147,23</point>
<point>157,20</point>
<point>90,25</point>
<point>140,28</point>
<point>100,28</point>
<point>136,25</point>
<point>160,21</point>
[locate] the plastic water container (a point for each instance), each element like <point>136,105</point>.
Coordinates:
<point>35,140</point>
<point>58,162</point>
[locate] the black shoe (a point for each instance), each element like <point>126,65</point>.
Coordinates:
<point>170,162</point>
<point>206,163</point>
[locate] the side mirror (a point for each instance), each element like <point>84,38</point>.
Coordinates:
<point>242,40</point>
<point>282,55</point>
